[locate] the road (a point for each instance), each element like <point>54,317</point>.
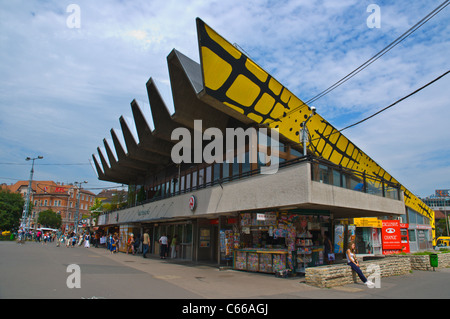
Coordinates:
<point>39,271</point>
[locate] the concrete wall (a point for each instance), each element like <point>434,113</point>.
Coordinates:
<point>341,274</point>
<point>289,187</point>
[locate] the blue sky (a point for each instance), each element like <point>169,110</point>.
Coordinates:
<point>62,89</point>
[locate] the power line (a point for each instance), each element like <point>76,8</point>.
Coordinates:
<point>385,108</point>
<point>47,164</point>
<point>372,59</point>
<point>396,102</point>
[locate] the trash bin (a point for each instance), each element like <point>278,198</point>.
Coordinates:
<point>433,260</point>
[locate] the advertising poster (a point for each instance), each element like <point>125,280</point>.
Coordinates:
<point>339,239</point>
<point>391,237</point>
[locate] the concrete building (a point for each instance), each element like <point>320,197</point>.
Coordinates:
<point>261,214</point>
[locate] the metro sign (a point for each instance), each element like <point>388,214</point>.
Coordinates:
<point>192,203</point>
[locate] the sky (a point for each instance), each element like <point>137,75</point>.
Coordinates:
<point>67,73</point>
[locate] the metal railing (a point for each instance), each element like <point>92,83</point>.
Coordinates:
<point>336,175</point>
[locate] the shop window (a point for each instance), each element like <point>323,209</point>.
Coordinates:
<point>412,235</point>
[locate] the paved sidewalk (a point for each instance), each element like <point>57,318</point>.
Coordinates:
<point>38,271</point>
<point>210,282</point>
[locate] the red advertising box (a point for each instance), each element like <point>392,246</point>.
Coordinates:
<point>404,237</point>
<point>391,237</point>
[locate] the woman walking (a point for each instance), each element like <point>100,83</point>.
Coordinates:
<point>87,243</point>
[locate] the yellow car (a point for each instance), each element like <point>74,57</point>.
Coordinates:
<point>6,233</point>
<point>443,242</point>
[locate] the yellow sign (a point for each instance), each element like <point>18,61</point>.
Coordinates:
<point>367,222</point>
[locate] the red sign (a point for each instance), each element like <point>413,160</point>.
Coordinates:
<point>192,203</point>
<point>404,237</point>
<point>391,236</point>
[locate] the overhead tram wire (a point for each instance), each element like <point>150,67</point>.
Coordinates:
<point>372,59</point>
<point>396,102</point>
<point>47,164</point>
<point>385,108</point>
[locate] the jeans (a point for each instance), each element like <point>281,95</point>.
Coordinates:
<point>358,271</point>
<point>144,249</point>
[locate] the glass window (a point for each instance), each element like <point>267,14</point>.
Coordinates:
<point>412,216</point>
<point>296,153</point>
<point>188,181</point>
<point>201,177</point>
<point>412,234</point>
<point>194,179</point>
<point>235,167</point>
<point>173,182</point>
<point>262,159</point>
<point>182,184</point>
<point>162,188</point>
<point>324,174</point>
<point>226,170</point>
<point>217,169</point>
<point>209,174</point>
<point>246,166</point>
<point>336,178</point>
<point>419,218</point>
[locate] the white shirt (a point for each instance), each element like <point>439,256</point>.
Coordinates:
<point>163,240</point>
<point>352,256</point>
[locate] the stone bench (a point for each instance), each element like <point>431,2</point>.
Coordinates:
<point>341,274</point>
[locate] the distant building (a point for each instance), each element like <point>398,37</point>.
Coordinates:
<point>113,197</point>
<point>60,198</point>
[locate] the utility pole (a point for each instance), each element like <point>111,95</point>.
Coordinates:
<point>25,214</point>
<point>304,131</point>
<point>77,205</point>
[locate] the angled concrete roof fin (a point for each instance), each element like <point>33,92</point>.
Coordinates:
<point>191,68</point>
<point>121,153</point>
<point>100,173</point>
<point>105,165</point>
<point>127,135</point>
<point>112,159</point>
<point>142,127</point>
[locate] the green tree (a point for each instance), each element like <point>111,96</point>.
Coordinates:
<point>11,208</point>
<point>96,209</point>
<point>49,218</point>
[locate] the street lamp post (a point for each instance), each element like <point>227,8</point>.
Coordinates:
<point>77,205</point>
<point>25,214</point>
